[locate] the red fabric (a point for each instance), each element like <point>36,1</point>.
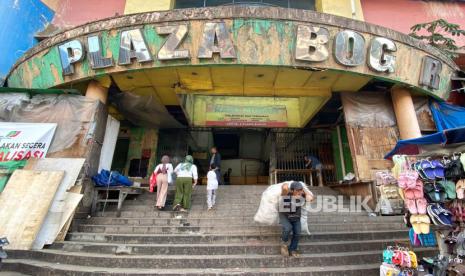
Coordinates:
<point>153,182</point>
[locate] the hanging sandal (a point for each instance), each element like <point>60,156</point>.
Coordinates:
<point>413,259</point>
<point>416,223</point>
<point>421,205</point>
<point>411,206</point>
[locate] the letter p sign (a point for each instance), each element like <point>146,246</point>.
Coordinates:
<point>70,53</point>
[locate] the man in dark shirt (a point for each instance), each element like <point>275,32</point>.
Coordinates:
<point>216,160</point>
<point>293,197</point>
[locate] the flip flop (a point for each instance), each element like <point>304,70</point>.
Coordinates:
<point>411,206</point>
<point>401,193</point>
<point>460,187</point>
<point>438,169</point>
<point>421,205</point>
<point>462,160</point>
<point>419,189</point>
<point>414,240</point>
<point>406,262</point>
<point>413,259</point>
<point>416,224</point>
<point>398,257</point>
<point>449,188</point>
<point>409,193</point>
<point>387,256</point>
<point>428,169</point>
<point>424,224</point>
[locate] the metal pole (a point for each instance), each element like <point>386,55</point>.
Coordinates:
<point>341,153</point>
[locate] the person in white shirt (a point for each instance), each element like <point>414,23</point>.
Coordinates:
<point>212,186</point>
<point>186,179</point>
<point>163,172</point>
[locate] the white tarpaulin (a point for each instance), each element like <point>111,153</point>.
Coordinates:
<point>21,141</point>
<point>109,144</point>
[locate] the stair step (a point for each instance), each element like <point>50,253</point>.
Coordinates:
<point>149,212</point>
<point>41,268</point>
<point>201,261</point>
<point>232,239</point>
<point>240,229</point>
<point>217,221</point>
<point>253,247</point>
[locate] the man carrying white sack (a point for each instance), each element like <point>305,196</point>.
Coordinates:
<point>293,197</point>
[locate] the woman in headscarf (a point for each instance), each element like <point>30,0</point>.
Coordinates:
<point>186,179</point>
<point>163,171</point>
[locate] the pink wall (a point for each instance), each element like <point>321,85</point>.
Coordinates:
<point>76,12</point>
<point>400,15</point>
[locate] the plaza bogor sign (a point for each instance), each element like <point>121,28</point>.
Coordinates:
<point>195,40</point>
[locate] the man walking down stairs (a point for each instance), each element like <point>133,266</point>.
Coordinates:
<point>224,241</point>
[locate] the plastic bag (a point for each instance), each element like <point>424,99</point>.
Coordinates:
<point>106,178</point>
<point>268,212</point>
<point>153,182</point>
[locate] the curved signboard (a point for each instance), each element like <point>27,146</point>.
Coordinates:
<point>246,36</point>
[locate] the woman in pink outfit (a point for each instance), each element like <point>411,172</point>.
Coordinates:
<point>163,171</point>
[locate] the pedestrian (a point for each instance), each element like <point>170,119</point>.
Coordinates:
<point>227,177</point>
<point>216,160</point>
<point>163,172</point>
<point>311,162</point>
<point>186,179</point>
<point>293,197</point>
<point>212,186</point>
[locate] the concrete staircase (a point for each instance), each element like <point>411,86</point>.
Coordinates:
<point>225,241</point>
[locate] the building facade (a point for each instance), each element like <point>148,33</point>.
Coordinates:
<point>268,82</point>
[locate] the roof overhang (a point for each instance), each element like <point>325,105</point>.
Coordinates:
<point>203,50</point>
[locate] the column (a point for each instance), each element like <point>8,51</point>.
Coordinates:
<point>97,91</point>
<point>405,113</point>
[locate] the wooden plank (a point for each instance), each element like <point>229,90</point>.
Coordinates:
<point>24,205</point>
<point>77,189</point>
<point>51,226</point>
<point>71,203</point>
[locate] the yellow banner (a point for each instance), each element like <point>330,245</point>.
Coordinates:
<point>246,116</point>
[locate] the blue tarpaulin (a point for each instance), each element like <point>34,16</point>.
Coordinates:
<point>450,122</point>
<point>413,146</point>
<point>447,116</point>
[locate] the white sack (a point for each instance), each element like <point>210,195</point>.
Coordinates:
<point>267,212</point>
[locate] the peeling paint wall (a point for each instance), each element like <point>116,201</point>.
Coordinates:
<point>19,21</point>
